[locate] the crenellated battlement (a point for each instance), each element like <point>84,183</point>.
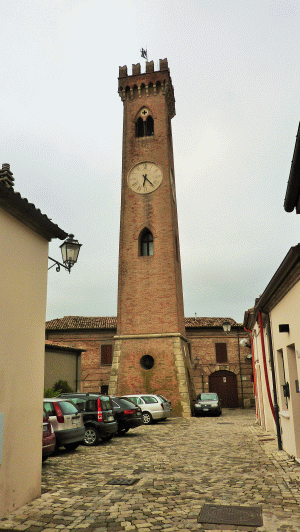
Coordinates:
<point>148,83</point>
<point>136,69</point>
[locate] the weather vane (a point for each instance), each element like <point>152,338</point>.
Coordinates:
<point>144,53</point>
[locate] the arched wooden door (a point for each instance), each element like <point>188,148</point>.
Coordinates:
<point>224,383</point>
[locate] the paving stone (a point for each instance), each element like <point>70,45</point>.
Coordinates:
<point>181,464</point>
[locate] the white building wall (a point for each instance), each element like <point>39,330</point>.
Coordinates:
<point>286,348</point>
<point>265,415</point>
<point>23,285</point>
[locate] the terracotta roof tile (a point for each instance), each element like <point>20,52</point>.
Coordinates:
<point>209,322</point>
<point>84,322</point>
<point>50,343</point>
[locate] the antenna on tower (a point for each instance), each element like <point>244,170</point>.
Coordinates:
<point>144,53</point>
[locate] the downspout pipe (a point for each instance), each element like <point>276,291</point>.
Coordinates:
<point>276,406</point>
<point>254,372</point>
<point>274,413</point>
<point>240,366</point>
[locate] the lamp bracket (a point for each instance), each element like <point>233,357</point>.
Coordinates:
<point>58,265</point>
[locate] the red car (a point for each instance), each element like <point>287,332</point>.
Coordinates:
<point>49,439</point>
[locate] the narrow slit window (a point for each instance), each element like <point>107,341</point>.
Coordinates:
<point>139,127</point>
<point>146,243</point>
<point>149,126</point>
<point>221,353</point>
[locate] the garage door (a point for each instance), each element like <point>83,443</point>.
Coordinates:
<point>224,383</point>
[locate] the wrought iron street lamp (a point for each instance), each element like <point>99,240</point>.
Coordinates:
<point>70,251</point>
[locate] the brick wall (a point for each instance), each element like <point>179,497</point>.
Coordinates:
<point>202,346</point>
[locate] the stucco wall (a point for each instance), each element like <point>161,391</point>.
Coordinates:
<point>264,411</point>
<point>23,282</point>
<point>287,346</point>
<point>62,366</point>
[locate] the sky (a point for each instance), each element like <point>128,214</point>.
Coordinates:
<point>235,70</point>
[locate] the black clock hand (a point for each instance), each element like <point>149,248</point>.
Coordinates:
<point>146,179</point>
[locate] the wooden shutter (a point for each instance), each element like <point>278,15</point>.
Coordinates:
<point>221,353</point>
<point>106,355</point>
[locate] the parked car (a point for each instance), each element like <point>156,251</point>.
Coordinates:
<point>67,423</point>
<point>127,414</point>
<point>98,416</point>
<point>152,406</point>
<point>207,403</point>
<point>166,401</point>
<point>48,438</point>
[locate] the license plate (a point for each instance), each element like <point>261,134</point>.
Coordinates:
<point>110,418</point>
<point>205,409</point>
<point>75,421</point>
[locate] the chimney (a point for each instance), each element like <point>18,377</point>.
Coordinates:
<point>6,176</point>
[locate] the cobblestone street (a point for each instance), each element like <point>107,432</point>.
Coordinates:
<point>180,465</point>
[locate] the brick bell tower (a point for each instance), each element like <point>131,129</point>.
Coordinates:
<point>151,352</point>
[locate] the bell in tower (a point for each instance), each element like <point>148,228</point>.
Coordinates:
<point>151,351</point>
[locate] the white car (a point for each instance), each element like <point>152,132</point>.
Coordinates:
<point>67,423</point>
<point>154,407</point>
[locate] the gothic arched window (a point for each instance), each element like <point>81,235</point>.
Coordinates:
<point>139,127</point>
<point>149,126</point>
<point>144,125</point>
<point>146,243</point>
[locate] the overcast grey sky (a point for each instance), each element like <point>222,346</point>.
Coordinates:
<point>235,69</point>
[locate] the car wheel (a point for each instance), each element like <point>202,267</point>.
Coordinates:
<point>71,446</point>
<point>91,436</point>
<point>147,418</point>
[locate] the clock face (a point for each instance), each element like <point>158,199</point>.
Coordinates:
<point>145,177</point>
<point>172,184</point>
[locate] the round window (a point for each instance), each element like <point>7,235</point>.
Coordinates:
<point>147,362</point>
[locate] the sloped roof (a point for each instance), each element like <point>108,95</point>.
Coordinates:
<point>209,322</point>
<point>61,347</point>
<point>85,322</point>
<point>28,214</point>
<point>82,322</point>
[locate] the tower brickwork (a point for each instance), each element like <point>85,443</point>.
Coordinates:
<point>150,321</point>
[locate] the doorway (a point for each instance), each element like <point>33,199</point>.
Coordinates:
<point>224,383</point>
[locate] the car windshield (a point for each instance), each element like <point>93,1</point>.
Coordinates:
<point>123,403</point>
<point>67,407</point>
<point>164,400</point>
<point>208,397</point>
<point>134,400</point>
<point>79,403</point>
<point>106,402</point>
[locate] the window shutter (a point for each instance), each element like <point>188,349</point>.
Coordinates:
<point>106,355</point>
<point>221,353</point>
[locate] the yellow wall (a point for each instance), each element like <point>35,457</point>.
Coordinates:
<point>62,366</point>
<point>23,286</point>
<point>287,312</point>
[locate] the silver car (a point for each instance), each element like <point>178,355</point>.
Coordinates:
<point>153,407</point>
<point>66,421</point>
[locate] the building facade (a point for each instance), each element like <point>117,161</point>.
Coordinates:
<point>217,360</point>
<point>274,322</point>
<point>24,237</point>
<point>150,347</point>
